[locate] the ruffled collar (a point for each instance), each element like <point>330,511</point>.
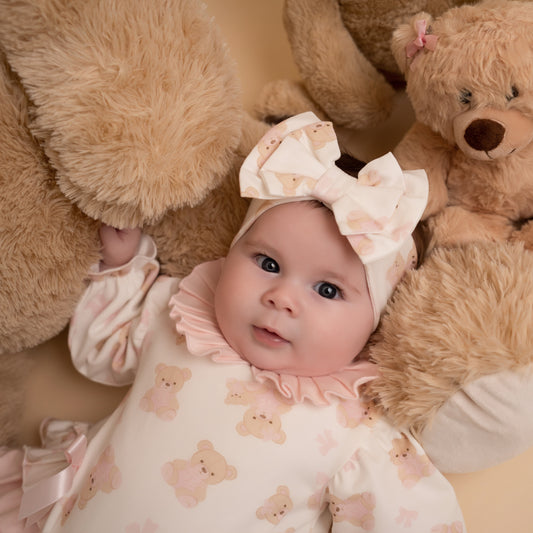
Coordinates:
<point>192,309</point>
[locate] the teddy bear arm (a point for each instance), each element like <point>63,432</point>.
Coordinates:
<point>422,148</point>
<point>335,72</point>
<point>456,224</point>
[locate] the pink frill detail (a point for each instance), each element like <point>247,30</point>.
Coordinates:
<point>11,492</point>
<point>48,472</point>
<point>192,309</point>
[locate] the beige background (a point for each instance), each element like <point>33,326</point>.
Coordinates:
<point>499,499</point>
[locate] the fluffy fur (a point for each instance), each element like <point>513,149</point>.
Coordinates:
<point>466,313</point>
<point>342,51</point>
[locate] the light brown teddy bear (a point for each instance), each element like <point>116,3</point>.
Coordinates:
<point>122,112</point>
<point>342,51</point>
<point>469,80</point>
<point>454,349</point>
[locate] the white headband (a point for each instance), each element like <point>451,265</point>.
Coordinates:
<point>377,211</point>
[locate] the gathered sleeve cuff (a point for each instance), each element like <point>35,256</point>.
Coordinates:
<point>390,484</point>
<point>113,316</point>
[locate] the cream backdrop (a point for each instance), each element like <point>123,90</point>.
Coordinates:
<point>496,500</point>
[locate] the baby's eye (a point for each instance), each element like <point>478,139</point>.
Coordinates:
<point>328,290</point>
<point>267,263</point>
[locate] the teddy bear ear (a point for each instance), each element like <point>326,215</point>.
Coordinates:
<point>404,35</point>
<point>231,472</point>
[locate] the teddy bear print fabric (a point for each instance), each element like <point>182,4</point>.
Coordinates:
<point>205,442</point>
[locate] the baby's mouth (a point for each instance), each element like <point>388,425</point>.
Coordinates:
<point>268,336</point>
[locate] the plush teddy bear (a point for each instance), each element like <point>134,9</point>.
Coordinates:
<point>454,350</point>
<point>454,355</point>
<point>469,81</point>
<point>122,112</point>
<point>342,51</point>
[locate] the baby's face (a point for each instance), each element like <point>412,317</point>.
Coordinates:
<point>292,296</point>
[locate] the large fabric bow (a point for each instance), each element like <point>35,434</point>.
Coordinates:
<point>376,211</point>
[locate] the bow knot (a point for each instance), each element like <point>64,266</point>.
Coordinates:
<point>421,41</point>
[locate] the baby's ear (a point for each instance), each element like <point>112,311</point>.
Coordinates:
<point>403,36</point>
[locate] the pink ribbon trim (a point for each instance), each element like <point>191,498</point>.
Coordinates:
<point>39,497</point>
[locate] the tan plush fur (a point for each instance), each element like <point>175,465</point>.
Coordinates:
<point>342,51</point>
<point>474,120</point>
<point>466,313</point>
<point>138,109</point>
<point>126,112</point>
<point>46,243</point>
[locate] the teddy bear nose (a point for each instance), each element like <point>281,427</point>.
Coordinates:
<point>484,134</point>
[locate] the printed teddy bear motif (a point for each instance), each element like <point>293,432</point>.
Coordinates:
<point>370,178</point>
<point>190,478</point>
<point>104,476</point>
<point>269,142</point>
<point>291,182</point>
<point>351,413</point>
<point>455,527</point>
<point>320,134</point>
<point>262,418</point>
<point>242,392</point>
<point>359,220</point>
<point>411,466</point>
<point>161,398</point>
<point>357,509</point>
<point>276,507</point>
<point>263,425</point>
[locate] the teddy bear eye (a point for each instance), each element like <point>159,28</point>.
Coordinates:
<point>465,96</point>
<point>514,94</point>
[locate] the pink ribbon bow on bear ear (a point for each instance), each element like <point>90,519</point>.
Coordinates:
<point>421,41</point>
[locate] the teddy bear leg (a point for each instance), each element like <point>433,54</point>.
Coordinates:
<point>456,225</point>
<point>281,99</point>
<point>337,75</point>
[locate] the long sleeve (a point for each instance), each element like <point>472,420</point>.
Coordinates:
<point>390,484</point>
<point>114,315</point>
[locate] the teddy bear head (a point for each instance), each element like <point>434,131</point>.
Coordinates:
<point>468,75</point>
<point>213,465</point>
<point>171,378</point>
<point>277,506</point>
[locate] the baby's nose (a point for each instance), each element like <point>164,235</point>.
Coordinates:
<point>283,297</point>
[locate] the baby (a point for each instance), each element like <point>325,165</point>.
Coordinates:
<point>244,413</point>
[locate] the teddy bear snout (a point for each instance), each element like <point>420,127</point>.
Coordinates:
<point>484,134</point>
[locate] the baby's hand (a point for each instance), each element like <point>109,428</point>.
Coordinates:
<point>118,246</point>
